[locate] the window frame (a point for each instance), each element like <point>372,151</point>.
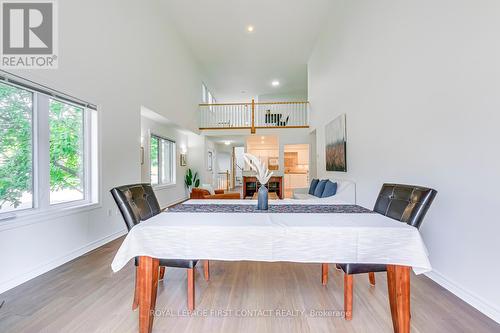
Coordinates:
<point>173,164</point>
<point>40,145</point>
<point>207,97</point>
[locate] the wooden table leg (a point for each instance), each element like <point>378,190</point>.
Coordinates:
<point>148,284</point>
<point>371,277</point>
<point>324,274</point>
<point>206,269</point>
<point>398,283</point>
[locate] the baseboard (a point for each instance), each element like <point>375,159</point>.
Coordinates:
<point>44,268</point>
<point>472,299</point>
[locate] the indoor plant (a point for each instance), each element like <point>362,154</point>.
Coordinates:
<point>191,180</point>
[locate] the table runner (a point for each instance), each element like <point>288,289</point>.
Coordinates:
<point>285,208</point>
<point>297,237</point>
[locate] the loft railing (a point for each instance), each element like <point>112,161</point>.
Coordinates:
<point>223,181</point>
<point>254,115</point>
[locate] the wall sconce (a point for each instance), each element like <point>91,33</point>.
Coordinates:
<point>183,159</point>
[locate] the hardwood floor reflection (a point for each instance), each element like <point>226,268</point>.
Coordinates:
<point>86,296</point>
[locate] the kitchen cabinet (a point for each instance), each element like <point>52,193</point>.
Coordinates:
<point>251,185</point>
<point>296,180</point>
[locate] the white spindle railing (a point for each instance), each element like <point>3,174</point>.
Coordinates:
<point>223,181</point>
<point>226,115</point>
<point>254,115</point>
<point>286,114</point>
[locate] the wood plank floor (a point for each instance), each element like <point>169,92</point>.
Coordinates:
<point>86,296</point>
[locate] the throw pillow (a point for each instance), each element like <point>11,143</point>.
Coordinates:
<point>314,183</point>
<point>320,188</point>
<point>330,189</point>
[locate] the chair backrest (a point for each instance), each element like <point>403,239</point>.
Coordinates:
<point>137,202</point>
<point>405,203</point>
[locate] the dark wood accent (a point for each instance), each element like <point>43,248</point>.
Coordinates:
<point>190,288</point>
<point>324,274</point>
<point>251,185</point>
<point>135,303</point>
<point>398,285</point>
<point>148,284</point>
<point>371,277</point>
<point>206,269</point>
<point>348,285</point>
<point>392,296</point>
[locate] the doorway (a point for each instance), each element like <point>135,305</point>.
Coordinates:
<point>238,165</point>
<point>313,156</point>
<point>296,167</point>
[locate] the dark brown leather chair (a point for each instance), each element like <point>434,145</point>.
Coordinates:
<point>404,203</point>
<point>137,202</point>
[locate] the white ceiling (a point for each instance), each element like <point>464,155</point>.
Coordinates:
<point>235,60</point>
<point>235,140</point>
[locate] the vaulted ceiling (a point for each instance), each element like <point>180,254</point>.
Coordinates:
<point>241,64</point>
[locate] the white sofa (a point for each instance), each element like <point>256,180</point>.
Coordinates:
<point>346,194</point>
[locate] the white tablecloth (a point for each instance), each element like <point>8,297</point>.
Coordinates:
<point>319,238</point>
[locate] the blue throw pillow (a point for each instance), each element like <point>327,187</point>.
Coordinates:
<point>320,188</point>
<point>330,189</point>
<point>314,183</point>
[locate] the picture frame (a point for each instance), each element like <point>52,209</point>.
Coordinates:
<point>209,161</point>
<point>336,144</point>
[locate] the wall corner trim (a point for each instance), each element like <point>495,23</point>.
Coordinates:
<point>480,304</point>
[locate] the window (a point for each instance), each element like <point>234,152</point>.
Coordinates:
<point>16,148</point>
<point>206,95</point>
<point>66,152</point>
<point>162,161</point>
<point>48,150</point>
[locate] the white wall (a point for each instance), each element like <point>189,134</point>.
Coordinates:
<point>419,82</point>
<point>223,161</point>
<point>119,54</point>
<point>293,96</point>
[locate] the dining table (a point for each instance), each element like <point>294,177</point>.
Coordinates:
<point>289,231</point>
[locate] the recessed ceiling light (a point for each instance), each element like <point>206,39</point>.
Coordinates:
<point>250,28</point>
<point>227,143</point>
<point>275,83</point>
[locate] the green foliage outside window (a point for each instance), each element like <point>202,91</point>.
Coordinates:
<point>16,128</point>
<point>66,148</point>
<point>15,144</point>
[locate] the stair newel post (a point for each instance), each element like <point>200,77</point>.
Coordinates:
<point>252,130</point>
